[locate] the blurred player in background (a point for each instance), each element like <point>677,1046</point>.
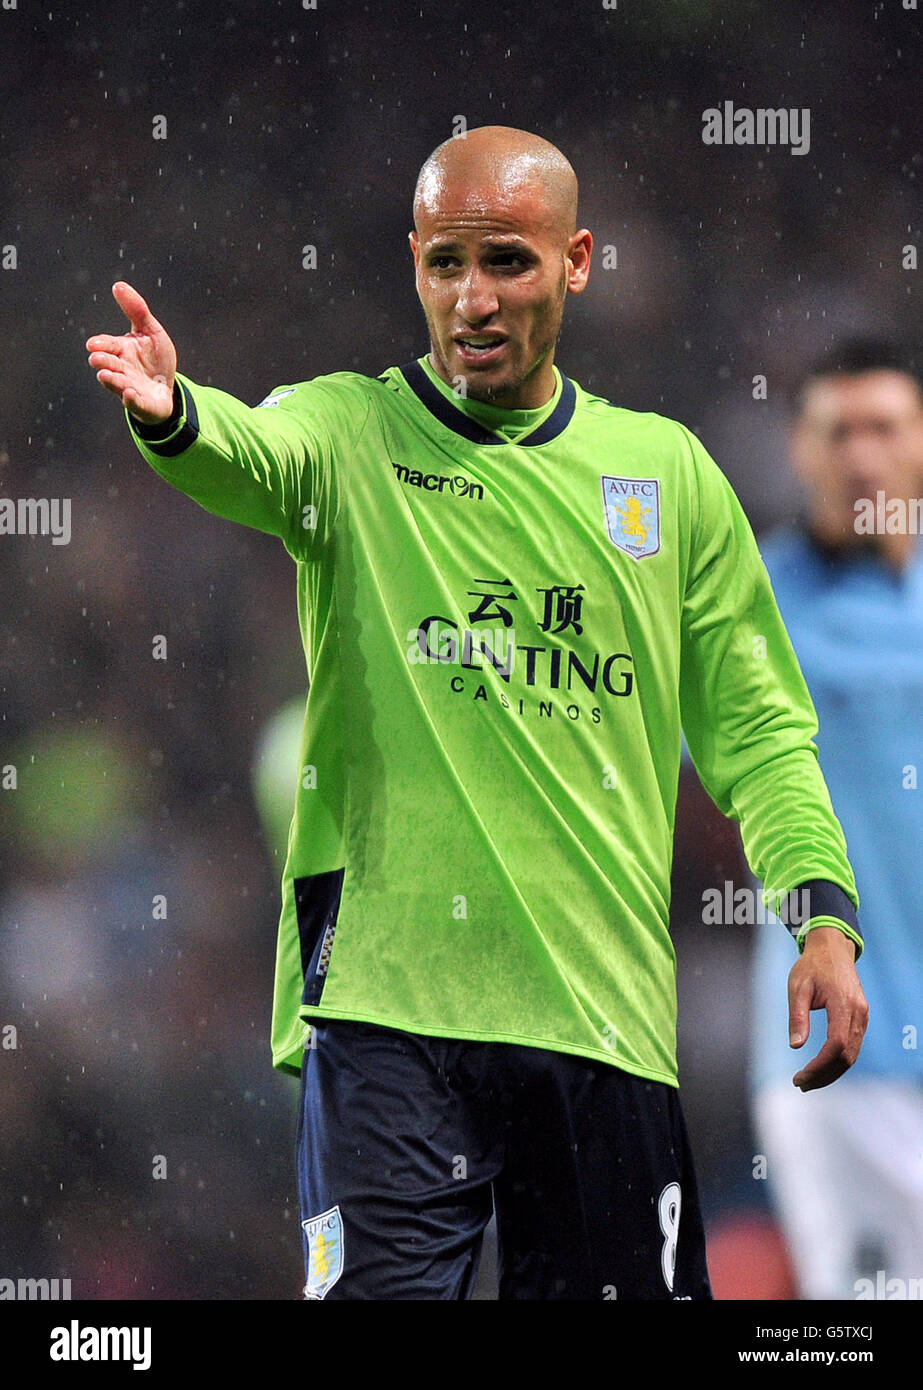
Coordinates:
<point>512,595</point>
<point>845,1164</point>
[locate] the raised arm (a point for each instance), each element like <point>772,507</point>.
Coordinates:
<point>273,466</point>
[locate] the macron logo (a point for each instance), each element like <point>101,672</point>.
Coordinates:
<point>456,486</point>
<point>76,1343</point>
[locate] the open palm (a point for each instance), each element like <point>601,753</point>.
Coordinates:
<point>139,366</point>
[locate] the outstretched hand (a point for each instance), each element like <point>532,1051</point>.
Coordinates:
<point>824,977</point>
<point>139,367</point>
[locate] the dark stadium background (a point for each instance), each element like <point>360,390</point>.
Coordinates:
<point>286,127</point>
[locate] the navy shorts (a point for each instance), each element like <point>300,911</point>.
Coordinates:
<point>407,1143</point>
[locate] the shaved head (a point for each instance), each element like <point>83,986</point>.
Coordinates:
<point>496,252</point>
<point>494,162</point>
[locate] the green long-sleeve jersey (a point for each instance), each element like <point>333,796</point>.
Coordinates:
<point>508,619</point>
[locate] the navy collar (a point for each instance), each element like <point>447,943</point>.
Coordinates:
<point>456,420</point>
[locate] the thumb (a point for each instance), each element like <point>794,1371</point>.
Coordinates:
<point>134,307</point>
<point>800,994</point>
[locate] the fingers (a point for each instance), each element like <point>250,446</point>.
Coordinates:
<point>800,999</point>
<point>104,342</point>
<point>109,360</point>
<point>846,1024</point>
<point>118,385</point>
<point>829,1064</point>
<point>134,308</point>
<point>115,382</point>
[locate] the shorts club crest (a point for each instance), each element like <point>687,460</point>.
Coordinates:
<point>324,1236</point>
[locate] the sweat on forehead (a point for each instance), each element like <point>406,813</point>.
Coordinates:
<point>491,165</point>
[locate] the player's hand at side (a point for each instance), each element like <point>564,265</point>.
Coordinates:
<point>824,977</point>
<point>139,366</point>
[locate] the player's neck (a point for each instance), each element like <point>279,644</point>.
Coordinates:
<point>532,394</point>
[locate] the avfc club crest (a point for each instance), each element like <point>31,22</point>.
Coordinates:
<point>324,1239</point>
<point>632,507</point>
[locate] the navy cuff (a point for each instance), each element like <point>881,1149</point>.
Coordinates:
<point>162,429</point>
<point>817,897</point>
<point>168,438</point>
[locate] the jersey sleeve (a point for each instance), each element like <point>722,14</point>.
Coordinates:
<point>748,718</point>
<point>271,466</point>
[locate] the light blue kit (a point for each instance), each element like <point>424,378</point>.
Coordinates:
<point>857,629</point>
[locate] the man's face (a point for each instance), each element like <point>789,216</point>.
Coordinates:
<point>492,269</point>
<point>856,435</point>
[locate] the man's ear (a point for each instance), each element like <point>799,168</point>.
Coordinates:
<point>579,251</point>
<point>414,246</point>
